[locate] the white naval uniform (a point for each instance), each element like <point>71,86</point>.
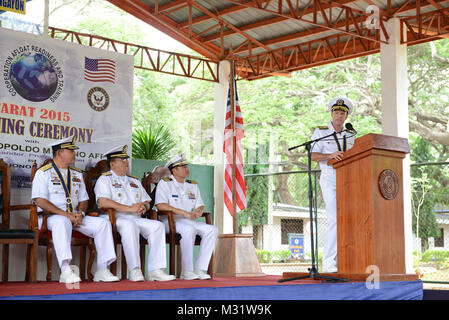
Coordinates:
<point>186,196</point>
<point>46,185</point>
<point>328,185</point>
<point>128,190</point>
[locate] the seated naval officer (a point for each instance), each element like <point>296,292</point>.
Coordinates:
<point>59,189</point>
<point>329,148</point>
<point>182,196</point>
<point>118,190</point>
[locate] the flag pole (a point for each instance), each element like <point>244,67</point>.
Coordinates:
<point>234,202</point>
<point>235,255</point>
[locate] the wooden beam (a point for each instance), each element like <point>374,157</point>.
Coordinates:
<point>255,41</point>
<point>295,36</point>
<point>313,22</point>
<point>145,13</point>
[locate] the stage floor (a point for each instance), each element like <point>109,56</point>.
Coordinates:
<point>251,288</point>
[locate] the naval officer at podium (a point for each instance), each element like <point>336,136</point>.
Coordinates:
<point>324,150</point>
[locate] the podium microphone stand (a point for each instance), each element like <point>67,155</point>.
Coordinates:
<point>313,272</point>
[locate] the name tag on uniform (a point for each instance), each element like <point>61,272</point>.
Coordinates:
<point>174,196</point>
<point>116,185</point>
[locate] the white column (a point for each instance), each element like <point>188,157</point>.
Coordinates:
<point>223,219</point>
<point>46,17</point>
<point>395,115</point>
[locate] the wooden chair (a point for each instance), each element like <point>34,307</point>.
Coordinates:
<point>91,178</point>
<point>173,238</point>
<point>78,239</point>
<point>16,236</point>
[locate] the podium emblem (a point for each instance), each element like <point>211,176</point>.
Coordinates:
<point>388,184</point>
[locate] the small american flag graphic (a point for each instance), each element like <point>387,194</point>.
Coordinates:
<point>99,70</point>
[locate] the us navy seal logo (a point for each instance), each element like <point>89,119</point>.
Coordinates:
<point>98,99</point>
<point>388,184</point>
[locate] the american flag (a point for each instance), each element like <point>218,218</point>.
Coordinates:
<point>227,149</point>
<point>98,70</point>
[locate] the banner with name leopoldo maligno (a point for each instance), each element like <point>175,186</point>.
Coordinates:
<point>51,89</point>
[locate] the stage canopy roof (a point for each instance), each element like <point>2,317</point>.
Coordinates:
<point>276,37</point>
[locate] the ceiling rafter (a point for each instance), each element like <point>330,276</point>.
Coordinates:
<point>304,55</point>
<point>313,32</point>
<point>298,35</point>
<point>425,27</point>
<point>314,22</point>
<point>224,22</point>
<point>225,28</point>
<point>276,19</point>
<point>147,14</point>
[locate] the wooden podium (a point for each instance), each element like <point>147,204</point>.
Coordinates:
<point>370,210</point>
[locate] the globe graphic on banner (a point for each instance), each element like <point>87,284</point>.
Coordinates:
<point>33,77</point>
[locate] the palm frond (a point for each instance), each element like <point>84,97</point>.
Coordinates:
<point>152,143</point>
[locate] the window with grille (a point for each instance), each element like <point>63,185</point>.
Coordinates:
<point>439,242</point>
<point>290,226</point>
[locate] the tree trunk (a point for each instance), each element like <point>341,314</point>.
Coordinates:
<point>424,244</point>
<point>283,192</point>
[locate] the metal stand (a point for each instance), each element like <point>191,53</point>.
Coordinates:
<point>313,272</point>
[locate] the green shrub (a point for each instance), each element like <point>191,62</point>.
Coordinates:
<point>264,256</point>
<point>281,255</point>
<point>437,256</point>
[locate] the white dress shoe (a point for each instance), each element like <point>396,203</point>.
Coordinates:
<point>189,275</point>
<point>159,275</point>
<point>136,275</point>
<point>202,275</point>
<point>105,276</point>
<point>68,276</point>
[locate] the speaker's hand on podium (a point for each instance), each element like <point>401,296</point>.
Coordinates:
<point>339,155</point>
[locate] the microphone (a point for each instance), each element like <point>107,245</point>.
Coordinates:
<point>350,128</point>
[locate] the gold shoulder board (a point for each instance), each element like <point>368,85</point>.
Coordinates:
<point>76,169</point>
<point>108,173</point>
<point>323,127</point>
<point>191,181</point>
<point>132,176</point>
<point>46,167</point>
<point>167,179</point>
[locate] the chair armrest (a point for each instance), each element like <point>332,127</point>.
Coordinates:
<point>20,207</point>
<point>44,215</point>
<point>207,216</point>
<point>112,219</point>
<point>152,214</point>
<point>111,214</point>
<point>171,221</point>
<point>33,220</point>
<point>93,214</point>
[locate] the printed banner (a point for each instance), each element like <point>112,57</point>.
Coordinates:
<point>18,6</point>
<point>51,89</point>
